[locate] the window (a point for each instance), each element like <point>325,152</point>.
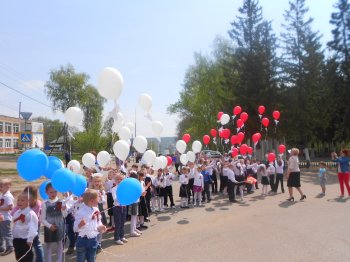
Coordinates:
<point>8,143</point>
<point>8,127</point>
<point>15,128</point>
<point>1,127</point>
<point>15,143</point>
<point>1,145</point>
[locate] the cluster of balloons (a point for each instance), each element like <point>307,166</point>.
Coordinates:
<point>33,163</point>
<point>181,146</point>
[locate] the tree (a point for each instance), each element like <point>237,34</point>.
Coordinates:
<point>339,71</point>
<point>66,88</point>
<point>52,128</point>
<point>302,64</point>
<point>255,63</point>
<point>202,95</point>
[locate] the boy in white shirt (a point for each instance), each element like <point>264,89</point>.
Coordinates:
<point>88,225</point>
<point>6,205</point>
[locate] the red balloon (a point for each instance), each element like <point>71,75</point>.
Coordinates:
<point>240,123</point>
<point>237,110</point>
<point>244,116</point>
<point>206,139</point>
<point>234,152</point>
<point>250,150</point>
<point>234,140</point>
<point>226,133</point>
<point>282,149</point>
<point>169,159</point>
<point>261,110</point>
<point>220,134</point>
<point>256,137</point>
<point>220,115</point>
<point>240,137</point>
<point>271,157</point>
<point>276,114</point>
<point>186,138</point>
<point>243,149</point>
<point>213,132</point>
<point>265,122</point>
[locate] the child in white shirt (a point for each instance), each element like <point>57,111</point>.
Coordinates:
<point>6,205</point>
<point>25,228</point>
<point>88,225</point>
<point>184,188</point>
<point>198,186</point>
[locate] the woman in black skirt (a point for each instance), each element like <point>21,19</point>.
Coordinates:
<point>293,175</point>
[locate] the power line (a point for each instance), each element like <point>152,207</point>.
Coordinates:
<point>13,89</point>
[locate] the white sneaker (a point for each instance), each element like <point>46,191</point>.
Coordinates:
<point>138,232</point>
<point>161,210</point>
<point>135,234</point>
<point>125,240</point>
<point>119,242</point>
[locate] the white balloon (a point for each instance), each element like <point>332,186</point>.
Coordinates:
<point>110,83</point>
<point>149,156</point>
<point>89,160</point>
<point>140,144</point>
<point>124,133</point>
<point>130,125</point>
<point>191,156</point>
<point>225,118</point>
<point>165,161</point>
<point>181,146</point>
<point>145,101</point>
<point>121,149</point>
<point>196,146</point>
<point>117,125</point>
<point>158,163</point>
<point>183,159</point>
<point>73,116</point>
<point>157,127</point>
<point>74,166</point>
<point>103,158</point>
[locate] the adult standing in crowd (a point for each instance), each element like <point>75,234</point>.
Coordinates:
<point>293,175</point>
<point>343,170</point>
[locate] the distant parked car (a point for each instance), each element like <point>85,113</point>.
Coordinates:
<point>212,153</point>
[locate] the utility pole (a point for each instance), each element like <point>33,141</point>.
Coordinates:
<point>19,110</point>
<point>135,121</point>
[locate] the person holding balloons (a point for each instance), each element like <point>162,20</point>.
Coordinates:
<point>52,215</point>
<point>88,225</point>
<point>293,175</point>
<point>119,214</point>
<point>35,204</point>
<point>279,164</point>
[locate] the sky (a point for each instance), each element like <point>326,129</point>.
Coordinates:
<point>151,42</point>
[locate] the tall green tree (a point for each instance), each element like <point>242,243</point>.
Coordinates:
<point>339,71</point>
<point>255,62</point>
<point>67,88</point>
<point>302,64</point>
<point>202,96</point>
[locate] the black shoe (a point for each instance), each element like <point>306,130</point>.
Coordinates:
<point>98,250</point>
<point>282,191</point>
<point>70,251</point>
<point>7,251</point>
<point>143,226</point>
<point>234,201</point>
<point>147,220</point>
<point>303,197</point>
<point>138,228</point>
<point>290,199</point>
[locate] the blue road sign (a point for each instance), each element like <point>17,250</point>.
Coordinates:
<point>26,138</point>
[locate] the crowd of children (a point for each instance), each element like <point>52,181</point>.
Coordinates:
<point>83,220</point>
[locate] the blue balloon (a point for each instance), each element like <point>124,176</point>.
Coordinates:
<point>79,186</point>
<point>129,191</point>
<point>63,180</point>
<point>32,164</point>
<point>54,164</point>
<point>42,190</point>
